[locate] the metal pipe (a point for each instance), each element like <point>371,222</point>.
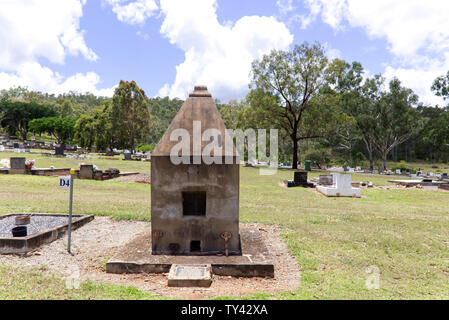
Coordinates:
<point>226,236</point>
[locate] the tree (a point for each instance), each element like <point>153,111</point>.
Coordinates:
<point>397,120</point>
<point>433,142</point>
<point>357,98</point>
<point>130,114</point>
<point>85,131</point>
<point>15,115</point>
<point>162,111</point>
<point>344,136</point>
<point>441,86</point>
<point>105,137</point>
<point>63,129</point>
<point>294,78</point>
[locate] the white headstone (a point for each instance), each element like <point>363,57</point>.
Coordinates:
<point>341,187</point>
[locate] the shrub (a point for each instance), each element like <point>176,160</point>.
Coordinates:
<point>321,156</point>
<point>146,148</point>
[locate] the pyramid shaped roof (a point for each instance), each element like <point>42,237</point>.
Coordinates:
<point>199,106</point>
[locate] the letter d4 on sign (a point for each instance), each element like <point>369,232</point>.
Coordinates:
<point>64,182</point>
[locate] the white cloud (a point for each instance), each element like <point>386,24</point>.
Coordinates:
<point>32,30</point>
<point>285,6</point>
<point>133,12</point>
<point>417,33</point>
<point>217,55</point>
<point>38,78</point>
<point>421,79</point>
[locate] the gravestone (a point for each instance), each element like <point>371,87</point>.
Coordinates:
<point>325,180</point>
<point>86,171</point>
<point>127,156</point>
<point>341,187</point>
<point>299,180</point>
<point>59,150</point>
<point>17,165</point>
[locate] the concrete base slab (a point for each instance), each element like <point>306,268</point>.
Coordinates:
<point>18,171</point>
<point>21,245</point>
<point>190,276</point>
<point>255,261</point>
<point>336,192</point>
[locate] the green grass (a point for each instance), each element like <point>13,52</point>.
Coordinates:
<point>102,162</point>
<point>34,284</point>
<point>405,233</point>
<point>22,193</point>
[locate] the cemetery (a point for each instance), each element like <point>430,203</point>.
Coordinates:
<point>204,150</point>
<point>190,240</point>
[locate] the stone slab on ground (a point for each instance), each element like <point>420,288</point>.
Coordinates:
<point>255,261</point>
<point>190,275</point>
<point>43,228</point>
<point>416,182</point>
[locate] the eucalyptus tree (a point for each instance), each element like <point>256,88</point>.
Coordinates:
<point>397,119</point>
<point>130,114</point>
<point>291,80</point>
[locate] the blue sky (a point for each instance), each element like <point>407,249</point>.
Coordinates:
<point>167,46</point>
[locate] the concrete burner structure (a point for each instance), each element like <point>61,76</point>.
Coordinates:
<point>195,207</point>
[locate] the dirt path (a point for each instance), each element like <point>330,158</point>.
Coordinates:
<point>135,178</point>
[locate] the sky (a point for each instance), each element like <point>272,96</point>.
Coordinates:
<point>168,46</point>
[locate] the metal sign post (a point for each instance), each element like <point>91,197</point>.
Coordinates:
<point>65,182</point>
<point>72,172</point>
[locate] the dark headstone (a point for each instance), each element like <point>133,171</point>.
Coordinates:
<point>59,150</point>
<point>127,156</point>
<point>15,145</point>
<point>18,163</point>
<point>326,180</point>
<point>300,178</point>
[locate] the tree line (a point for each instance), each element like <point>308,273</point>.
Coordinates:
<point>325,110</point>
<point>330,109</point>
<point>128,120</point>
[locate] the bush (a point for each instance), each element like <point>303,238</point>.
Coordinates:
<point>321,156</point>
<point>359,158</point>
<point>145,148</point>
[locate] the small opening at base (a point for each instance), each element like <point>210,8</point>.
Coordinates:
<point>195,246</point>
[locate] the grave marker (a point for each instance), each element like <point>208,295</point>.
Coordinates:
<point>341,187</point>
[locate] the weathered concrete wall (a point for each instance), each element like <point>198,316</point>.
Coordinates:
<point>221,184</point>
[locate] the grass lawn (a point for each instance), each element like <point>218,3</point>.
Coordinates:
<point>102,162</point>
<point>404,233</point>
<point>21,285</point>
